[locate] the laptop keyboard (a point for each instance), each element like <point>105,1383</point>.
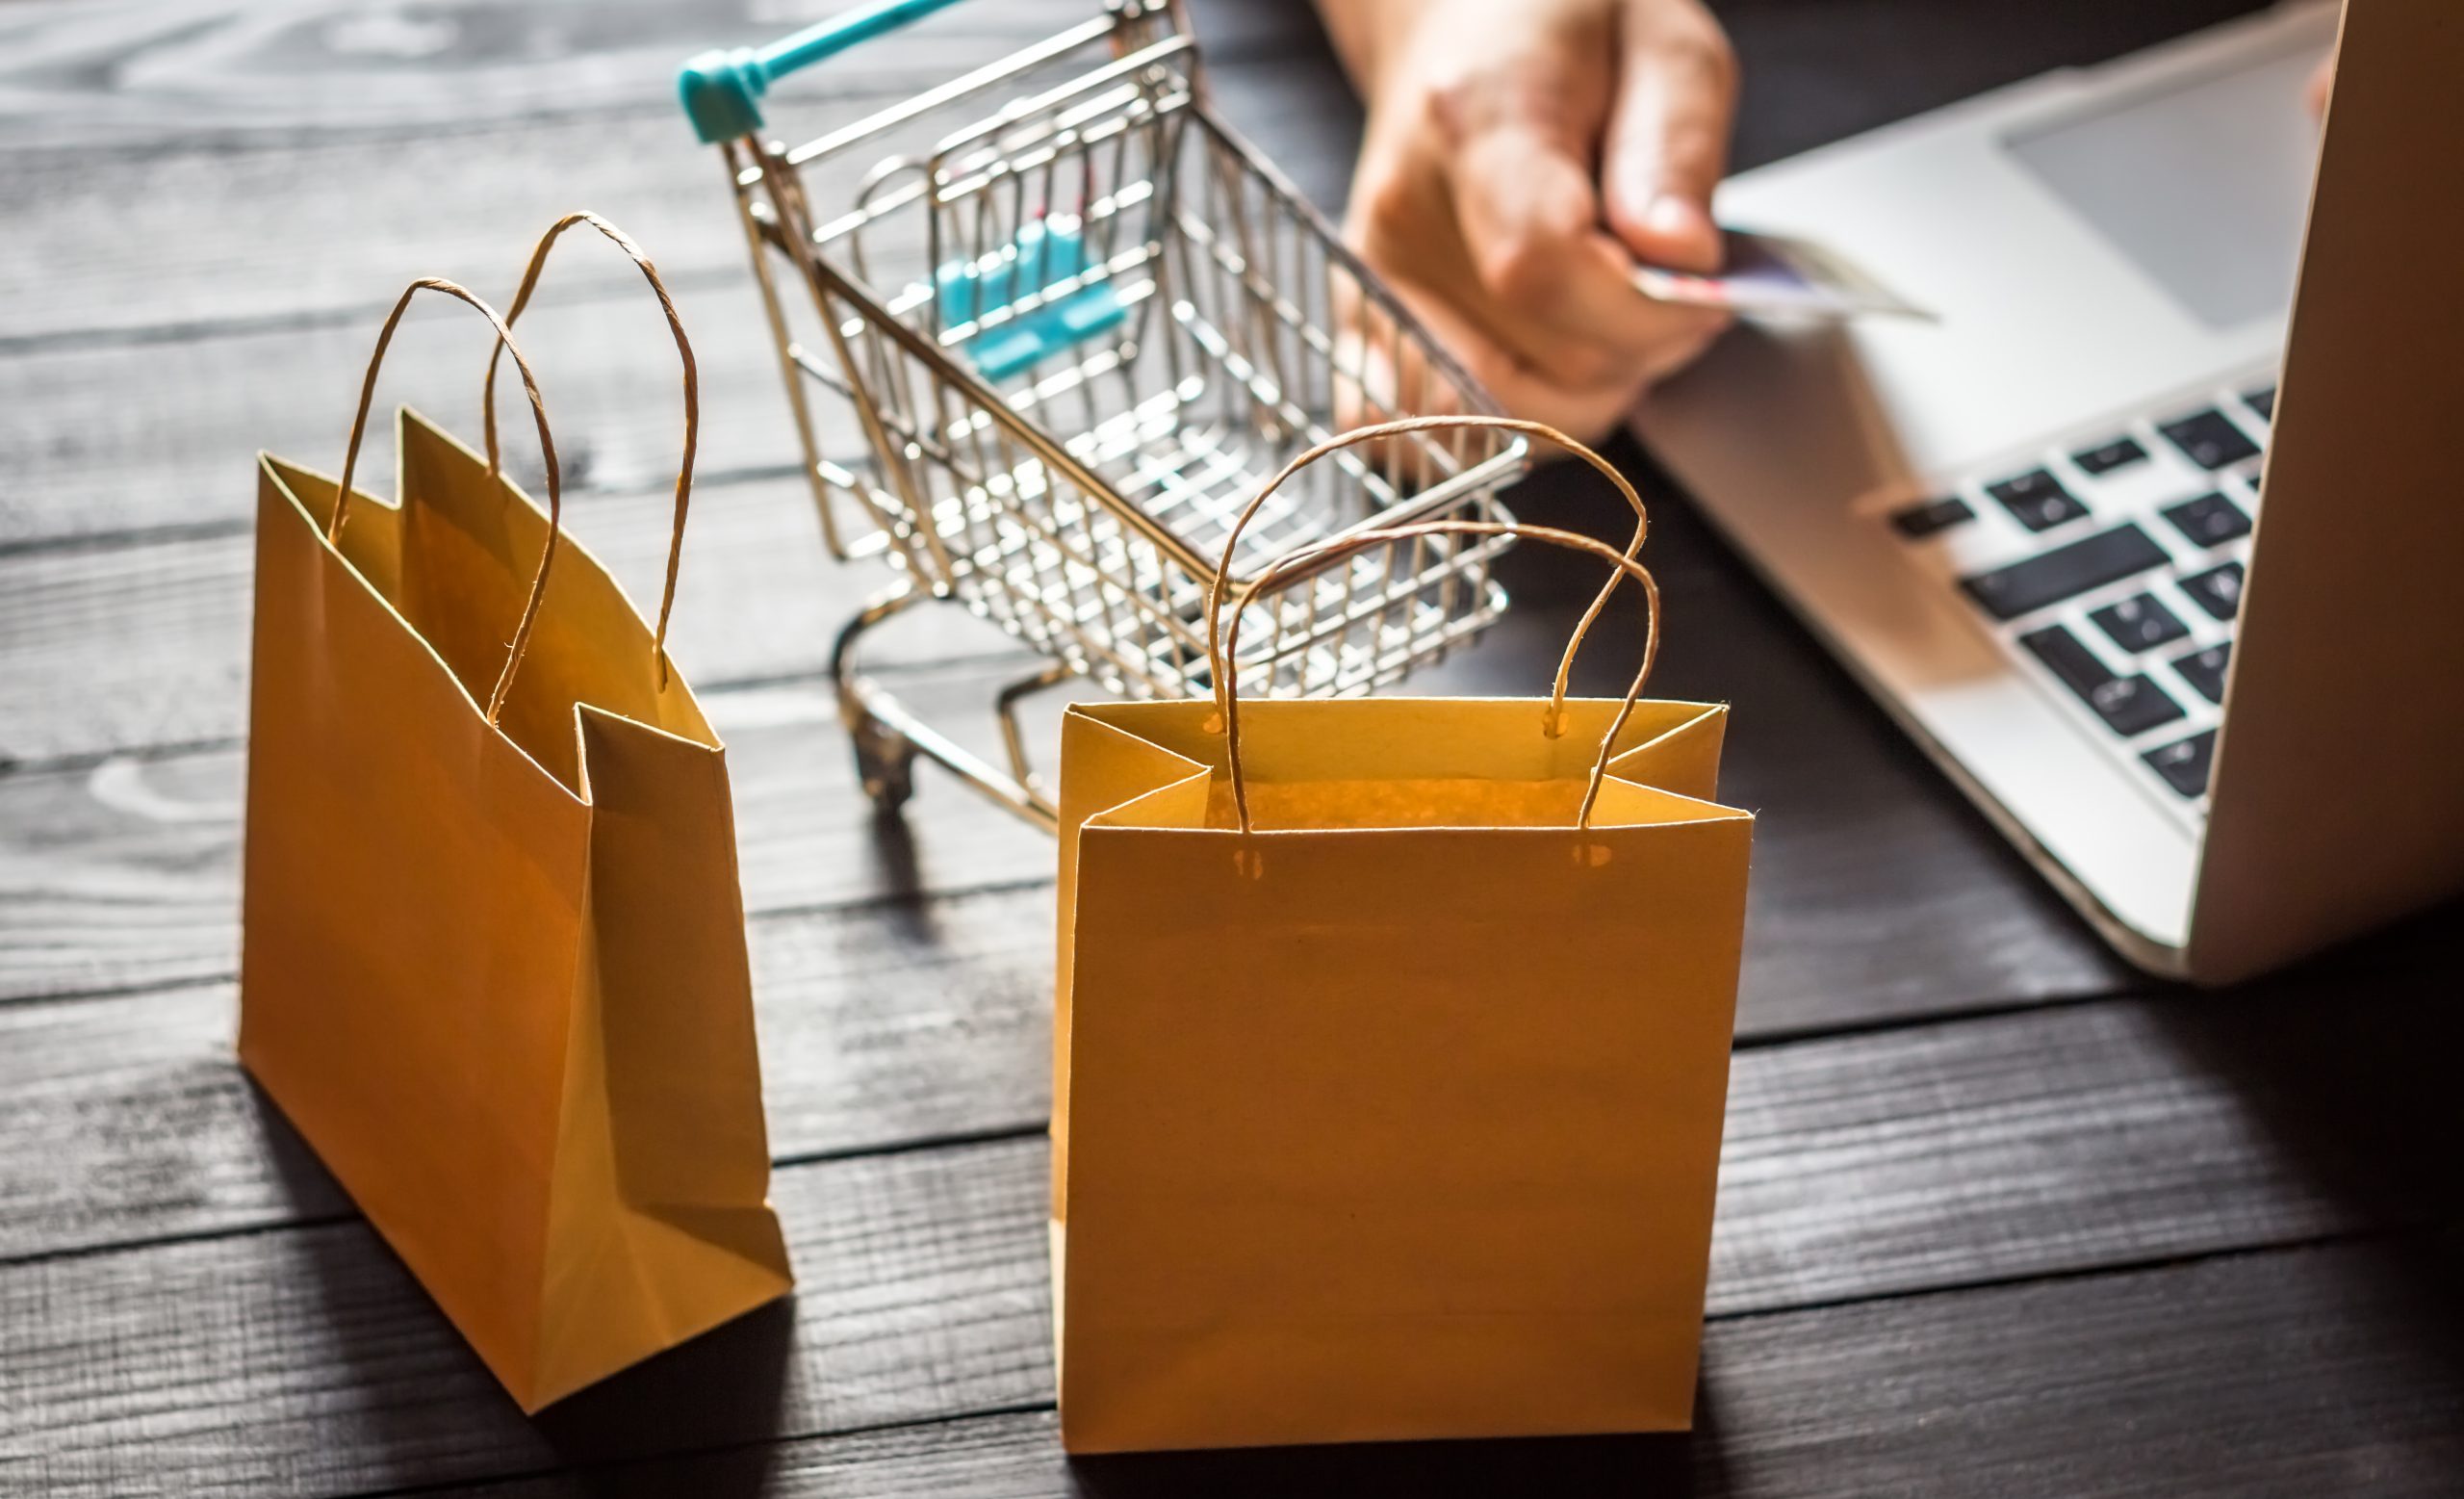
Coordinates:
<point>2112,569</point>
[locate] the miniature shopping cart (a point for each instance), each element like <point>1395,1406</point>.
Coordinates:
<point>1057,326</point>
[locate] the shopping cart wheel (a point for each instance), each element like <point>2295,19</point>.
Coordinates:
<point>886,764</point>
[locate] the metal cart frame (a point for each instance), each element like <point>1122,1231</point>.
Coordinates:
<point>1068,240</point>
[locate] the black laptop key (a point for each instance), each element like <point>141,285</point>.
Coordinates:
<point>2205,670</point>
<point>2036,500</point>
<point>2208,521</point>
<point>2261,401</point>
<point>1925,517</point>
<point>2105,457</point>
<point>2128,705</point>
<point>2210,439</point>
<point>2138,622</point>
<point>2066,572</point>
<point>2185,764</point>
<point>2218,590</point>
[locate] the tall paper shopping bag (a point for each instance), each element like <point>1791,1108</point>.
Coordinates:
<point>1392,1055</point>
<point>493,960</point>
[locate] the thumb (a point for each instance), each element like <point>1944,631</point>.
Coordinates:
<point>1667,142</point>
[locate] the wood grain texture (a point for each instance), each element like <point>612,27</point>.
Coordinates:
<point>2183,1381</point>
<point>1874,895</point>
<point>154,125</point>
<point>900,1022</point>
<point>186,1304</point>
<point>133,75</point>
<point>125,873</point>
<point>118,435</point>
<point>122,648</point>
<point>1986,1150</point>
<point>96,250</point>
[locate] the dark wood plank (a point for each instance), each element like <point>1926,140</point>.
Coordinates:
<point>238,72</point>
<point>304,1360</point>
<point>125,874</point>
<point>121,438</point>
<point>1875,893</point>
<point>901,1022</point>
<point>122,648</point>
<point>129,1119</point>
<point>186,147</point>
<point>2296,1373</point>
<point>113,437</point>
<point>248,261</point>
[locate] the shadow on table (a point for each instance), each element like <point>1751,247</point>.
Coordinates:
<point>417,1395</point>
<point>2350,1066</point>
<point>726,1386</point>
<point>1663,1466</point>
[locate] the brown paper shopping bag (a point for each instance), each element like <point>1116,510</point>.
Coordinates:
<point>1391,1057</point>
<point>492,958</point>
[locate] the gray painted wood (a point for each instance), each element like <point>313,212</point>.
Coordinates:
<point>125,873</point>
<point>2047,1391</point>
<point>191,1307</point>
<point>238,74</point>
<point>1991,1150</point>
<point>888,1025</point>
<point>248,264</point>
<point>126,648</point>
<point>1874,894</point>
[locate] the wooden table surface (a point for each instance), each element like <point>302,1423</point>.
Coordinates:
<point>1996,1214</point>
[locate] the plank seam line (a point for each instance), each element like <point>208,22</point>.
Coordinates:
<point>1983,1008</point>
<point>131,538</point>
<point>127,989</point>
<point>716,686</point>
<point>2297,1244</point>
<point>2304,1244</point>
<point>888,900</point>
<point>952,1140</point>
<point>88,759</point>
<point>197,331</point>
<point>479,1485</point>
<point>238,1230</point>
<point>986,1136</point>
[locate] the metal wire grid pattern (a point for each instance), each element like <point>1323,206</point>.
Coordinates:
<point>1244,335</point>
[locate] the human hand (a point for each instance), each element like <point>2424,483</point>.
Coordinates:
<point>1520,156</point>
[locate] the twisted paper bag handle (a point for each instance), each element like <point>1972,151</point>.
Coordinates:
<point>692,395</point>
<point>1222,647</point>
<point>546,452</point>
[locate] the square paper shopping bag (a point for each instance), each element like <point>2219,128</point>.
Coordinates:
<point>494,961</point>
<point>1391,1108</point>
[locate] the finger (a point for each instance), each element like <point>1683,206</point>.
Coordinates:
<point>1667,142</point>
<point>1553,285</point>
<point>1526,375</point>
<point>1586,411</point>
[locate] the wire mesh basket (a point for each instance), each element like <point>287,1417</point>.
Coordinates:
<point>1057,323</point>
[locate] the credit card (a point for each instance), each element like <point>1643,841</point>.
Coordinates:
<point>1778,276</point>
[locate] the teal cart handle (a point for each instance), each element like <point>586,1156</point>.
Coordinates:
<point>722,90</point>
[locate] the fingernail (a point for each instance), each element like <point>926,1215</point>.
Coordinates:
<point>1678,220</point>
<point>1671,214</point>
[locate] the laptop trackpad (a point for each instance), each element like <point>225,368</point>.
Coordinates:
<point>2203,185</point>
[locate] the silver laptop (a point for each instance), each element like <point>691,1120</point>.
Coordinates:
<point>2155,540</point>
